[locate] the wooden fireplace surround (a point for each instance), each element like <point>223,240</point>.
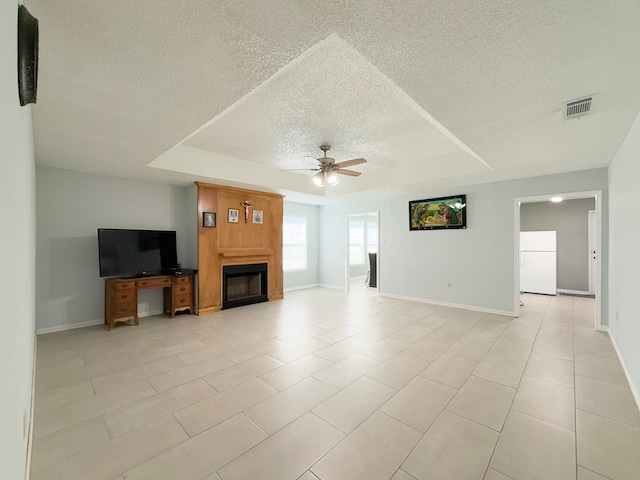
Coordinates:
<point>237,243</point>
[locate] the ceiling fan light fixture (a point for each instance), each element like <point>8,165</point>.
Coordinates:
<point>328,170</point>
<point>318,179</point>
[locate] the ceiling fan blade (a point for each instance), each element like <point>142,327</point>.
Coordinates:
<point>306,169</point>
<point>351,163</point>
<point>351,173</point>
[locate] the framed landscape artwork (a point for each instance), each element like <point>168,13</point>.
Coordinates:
<point>438,213</point>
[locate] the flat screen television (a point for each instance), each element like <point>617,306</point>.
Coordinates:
<point>136,252</point>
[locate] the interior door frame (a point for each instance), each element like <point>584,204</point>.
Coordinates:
<point>594,253</point>
<point>347,267</point>
<point>595,194</point>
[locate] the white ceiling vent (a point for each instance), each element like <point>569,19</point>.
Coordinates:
<point>577,108</point>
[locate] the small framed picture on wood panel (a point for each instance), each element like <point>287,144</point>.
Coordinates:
<point>257,217</point>
<point>233,215</point>
<point>209,219</point>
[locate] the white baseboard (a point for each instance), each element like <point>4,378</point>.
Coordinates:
<point>301,287</point>
<point>573,292</point>
<point>70,326</point>
<point>150,314</point>
<point>90,323</point>
<point>447,304</point>
<point>334,287</point>
<point>634,390</point>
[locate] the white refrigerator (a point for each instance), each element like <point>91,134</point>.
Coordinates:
<point>538,262</point>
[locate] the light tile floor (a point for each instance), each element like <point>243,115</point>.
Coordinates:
<point>328,385</point>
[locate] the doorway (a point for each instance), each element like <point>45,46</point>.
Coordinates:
<point>362,258</point>
<point>581,265</point>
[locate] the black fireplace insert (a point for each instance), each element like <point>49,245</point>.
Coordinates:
<point>244,285</point>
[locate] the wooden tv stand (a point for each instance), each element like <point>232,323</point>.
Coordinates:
<point>121,296</point>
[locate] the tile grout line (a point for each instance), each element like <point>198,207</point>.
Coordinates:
<point>609,419</point>
<point>514,396</point>
<point>575,390</point>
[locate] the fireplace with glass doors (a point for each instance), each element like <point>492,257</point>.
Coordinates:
<point>244,285</point>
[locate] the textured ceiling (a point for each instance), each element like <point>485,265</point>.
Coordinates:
<point>434,93</point>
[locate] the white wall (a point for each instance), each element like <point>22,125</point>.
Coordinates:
<point>479,261</point>
<point>191,225</point>
<point>17,247</point>
<point>293,280</point>
<point>624,238</point>
<point>71,206</point>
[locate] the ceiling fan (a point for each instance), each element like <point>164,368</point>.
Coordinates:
<point>329,168</point>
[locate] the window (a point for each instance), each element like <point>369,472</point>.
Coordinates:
<point>372,237</point>
<point>294,244</point>
<point>356,242</point>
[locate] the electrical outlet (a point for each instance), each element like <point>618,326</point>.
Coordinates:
<point>450,285</point>
<point>617,316</point>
